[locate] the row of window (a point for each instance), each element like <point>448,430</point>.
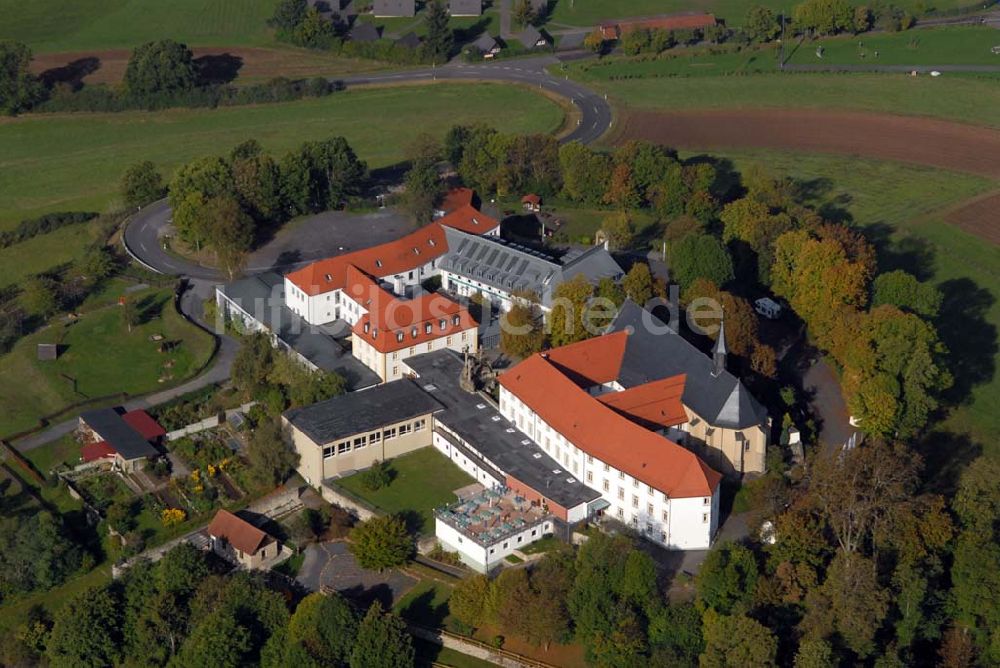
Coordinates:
<point>374,438</point>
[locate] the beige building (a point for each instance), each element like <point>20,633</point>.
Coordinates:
<point>351,432</point>
<point>240,542</point>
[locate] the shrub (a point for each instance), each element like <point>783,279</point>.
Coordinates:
<point>377,477</point>
<point>172,517</point>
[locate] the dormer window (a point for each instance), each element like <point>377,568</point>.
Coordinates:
<point>431,242</point>
<point>378,263</point>
<point>416,251</point>
<point>413,332</point>
<point>455,320</point>
<point>443,324</point>
<point>329,278</point>
<point>375,333</point>
<point>399,337</point>
<point>427,328</point>
<point>367,327</point>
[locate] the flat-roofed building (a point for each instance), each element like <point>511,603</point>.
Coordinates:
<point>352,431</point>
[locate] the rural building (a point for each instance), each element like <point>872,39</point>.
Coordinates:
<point>465,7</point>
<point>531,202</point>
<point>724,423</point>
<point>487,45</point>
<point>489,526</point>
<point>409,41</point>
<point>532,38</point>
<point>498,269</point>
<point>364,32</point>
<point>125,439</point>
<point>351,432</point>
<point>685,21</point>
<point>394,8</point>
<point>236,540</point>
<point>393,329</point>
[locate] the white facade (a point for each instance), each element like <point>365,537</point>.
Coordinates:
<point>335,304</point>
<point>482,475</point>
<point>389,366</point>
<point>484,558</point>
<point>677,523</point>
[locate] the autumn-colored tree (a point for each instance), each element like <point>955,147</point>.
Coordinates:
<point>622,190</point>
<point>638,283</point>
<point>619,230</point>
<point>569,319</point>
<point>751,229</point>
<point>763,360</point>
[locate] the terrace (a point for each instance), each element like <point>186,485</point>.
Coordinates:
<point>492,515</point>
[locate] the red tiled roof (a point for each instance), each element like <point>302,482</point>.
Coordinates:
<point>144,424</point>
<point>531,199</point>
<point>412,318</point>
<point>405,254</point>
<point>93,451</point>
<point>469,219</point>
<point>242,535</point>
<point>593,361</point>
<point>655,404</point>
<point>676,22</point>
<point>599,431</point>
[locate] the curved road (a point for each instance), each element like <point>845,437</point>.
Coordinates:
<point>143,233</point>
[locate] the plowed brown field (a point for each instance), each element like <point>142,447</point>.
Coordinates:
<point>925,141</point>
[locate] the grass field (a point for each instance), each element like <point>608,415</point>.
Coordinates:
<point>966,98</point>
<point>102,357</point>
<point>74,161</point>
<point>962,45</point>
<point>50,25</point>
<point>423,480</point>
<point>895,206</point>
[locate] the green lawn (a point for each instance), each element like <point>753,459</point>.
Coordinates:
<point>50,25</point>
<point>103,358</point>
<point>964,45</point>
<point>49,456</point>
<point>895,206</point>
<point>426,604</point>
<point>423,480</point>
<point>680,83</point>
<point>74,161</point>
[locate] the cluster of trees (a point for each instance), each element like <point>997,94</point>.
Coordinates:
<point>224,202</point>
<point>36,551</point>
<point>829,17</point>
<point>180,612</point>
<point>50,222</point>
<point>864,567</point>
<point>159,74</point>
<point>276,382</point>
<point>606,597</point>
<point>296,22</point>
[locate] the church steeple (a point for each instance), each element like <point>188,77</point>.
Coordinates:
<point>719,350</point>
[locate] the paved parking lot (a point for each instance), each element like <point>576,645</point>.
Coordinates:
<point>331,565</point>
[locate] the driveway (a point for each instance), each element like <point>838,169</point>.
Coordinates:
<point>331,566</point>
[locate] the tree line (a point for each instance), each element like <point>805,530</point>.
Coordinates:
<point>183,611</point>
<point>159,75</point>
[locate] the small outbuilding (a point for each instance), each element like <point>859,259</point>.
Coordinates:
<point>394,8</point>
<point>409,41</point>
<point>465,7</point>
<point>532,38</point>
<point>127,439</point>
<point>364,32</point>
<point>487,45</point>
<point>236,540</point>
<point>531,202</point>
<point>47,352</point>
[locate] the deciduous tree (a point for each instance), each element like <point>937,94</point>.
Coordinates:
<point>141,184</point>
<point>382,641</point>
<point>569,318</point>
<point>700,256</point>
<point>271,458</point>
<point>161,67</point>
<point>19,88</point>
<point>381,542</point>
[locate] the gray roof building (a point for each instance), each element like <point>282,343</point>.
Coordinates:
<point>391,8</point>
<point>654,351</point>
<point>361,412</point>
<point>486,43</point>
<point>261,297</point>
<point>364,32</point>
<point>531,38</point>
<point>511,268</point>
<point>109,425</point>
<point>465,7</point>
<point>410,40</point>
<point>499,445</point>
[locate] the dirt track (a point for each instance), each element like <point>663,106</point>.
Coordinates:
<point>924,141</point>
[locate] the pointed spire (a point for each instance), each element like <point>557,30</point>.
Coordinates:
<point>719,350</point>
